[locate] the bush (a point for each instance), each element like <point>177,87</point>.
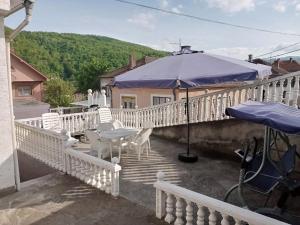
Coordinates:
<point>59,92</point>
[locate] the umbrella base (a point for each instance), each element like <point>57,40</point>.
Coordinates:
<point>188,158</point>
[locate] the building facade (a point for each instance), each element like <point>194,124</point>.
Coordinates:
<point>27,82</point>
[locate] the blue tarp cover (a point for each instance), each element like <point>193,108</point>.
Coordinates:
<point>275,115</point>
<point>191,70</point>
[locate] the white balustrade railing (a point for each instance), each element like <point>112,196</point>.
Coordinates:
<point>51,148</point>
<point>211,107</point>
<point>94,171</point>
<point>182,206</point>
<point>76,122</point>
<point>44,145</point>
<point>207,107</point>
<point>79,122</point>
<point>34,122</point>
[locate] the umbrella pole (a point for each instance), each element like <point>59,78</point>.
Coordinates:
<point>187,157</point>
<point>188,121</point>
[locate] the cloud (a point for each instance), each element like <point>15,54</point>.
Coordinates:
<point>280,6</point>
<point>298,7</point>
<point>144,20</point>
<point>177,9</point>
<point>232,5</point>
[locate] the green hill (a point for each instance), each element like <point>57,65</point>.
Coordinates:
<point>71,55</point>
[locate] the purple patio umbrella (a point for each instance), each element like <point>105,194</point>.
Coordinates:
<point>189,71</point>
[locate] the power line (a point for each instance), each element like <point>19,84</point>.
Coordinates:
<point>277,50</point>
<point>297,50</point>
<point>206,19</point>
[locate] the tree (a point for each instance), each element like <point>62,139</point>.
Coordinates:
<point>88,75</point>
<point>59,92</point>
<point>66,55</point>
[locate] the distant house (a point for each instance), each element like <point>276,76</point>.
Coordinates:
<point>27,89</point>
<point>285,66</point>
<point>281,67</point>
<point>27,82</point>
<point>106,79</point>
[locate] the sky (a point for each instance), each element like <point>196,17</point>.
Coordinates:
<point>163,31</point>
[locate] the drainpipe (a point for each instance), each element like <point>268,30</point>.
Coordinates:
<point>28,4</point>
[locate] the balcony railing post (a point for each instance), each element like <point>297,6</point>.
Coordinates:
<point>160,198</point>
<point>115,179</point>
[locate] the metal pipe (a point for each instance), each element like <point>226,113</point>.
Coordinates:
<point>28,4</point>
<point>188,121</point>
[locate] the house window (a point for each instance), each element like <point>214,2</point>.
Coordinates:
<point>25,91</point>
<point>157,100</point>
<point>128,102</point>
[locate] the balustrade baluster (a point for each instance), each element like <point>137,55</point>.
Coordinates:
<point>204,109</point>
<point>296,91</point>
<point>238,222</point>
<point>267,93</point>
<point>98,177</point>
<point>239,95</point>
<point>103,179</point>
<point>179,212</point>
<point>212,217</point>
<point>94,175</point>
<point>221,106</point>
<point>74,166</point>
<point>189,213</point>
<point>169,209</point>
<point>200,215</point>
<point>252,96</point>
<point>279,96</point>
<point>288,95</point>
<point>225,219</point>
<point>199,111</point>
<point>78,169</point>
<point>108,182</point>
<point>259,95</point>
<point>55,159</point>
<point>210,109</point>
<point>191,110</point>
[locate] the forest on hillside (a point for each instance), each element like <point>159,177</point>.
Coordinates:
<point>77,58</point>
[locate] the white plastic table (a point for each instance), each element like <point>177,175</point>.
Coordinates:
<point>118,136</point>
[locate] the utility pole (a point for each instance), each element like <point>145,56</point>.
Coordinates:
<point>179,43</point>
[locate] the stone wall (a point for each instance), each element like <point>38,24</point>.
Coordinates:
<point>220,136</point>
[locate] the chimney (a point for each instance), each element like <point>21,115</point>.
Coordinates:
<point>132,61</point>
<point>250,58</point>
<point>276,63</point>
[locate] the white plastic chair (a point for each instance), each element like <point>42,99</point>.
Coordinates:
<point>104,115</point>
<point>117,124</point>
<point>141,141</point>
<point>51,121</point>
<point>102,148</point>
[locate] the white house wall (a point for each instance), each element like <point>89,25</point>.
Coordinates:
<point>7,179</point>
<point>4,6</point>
